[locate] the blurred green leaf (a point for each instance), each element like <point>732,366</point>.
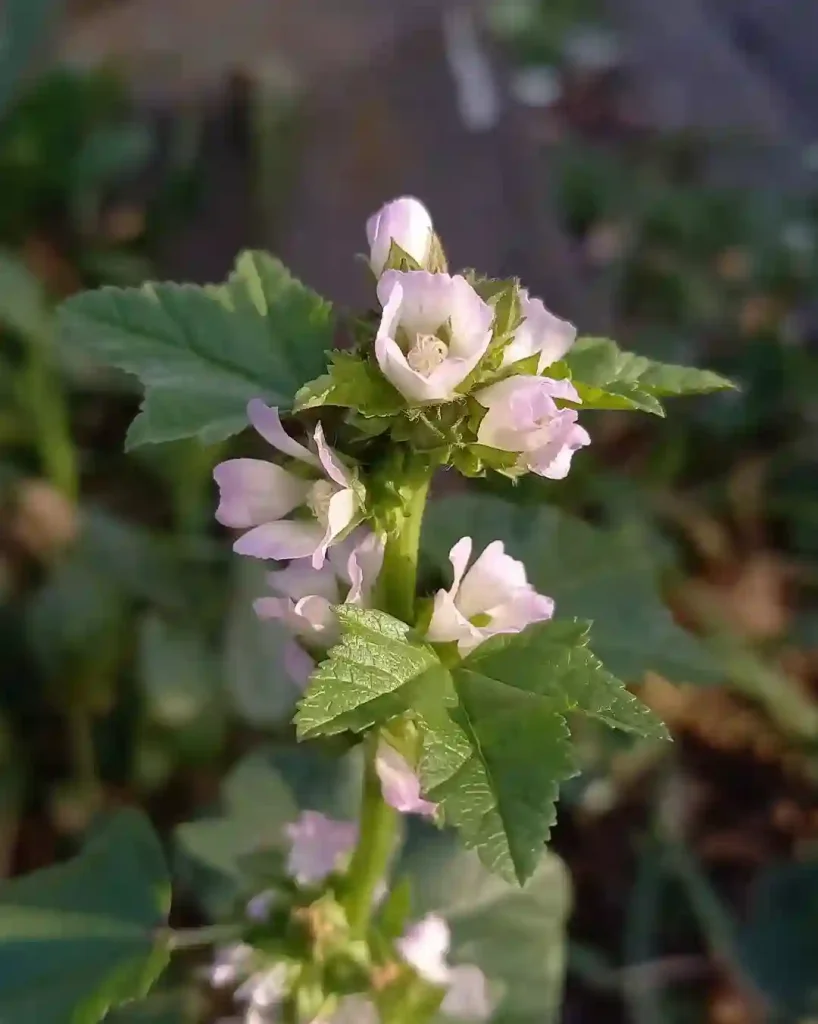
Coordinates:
<point>202,353</point>
<point>516,936</point>
<point>82,937</point>
<point>162,1008</point>
<point>607,576</point>
<point>23,303</point>
<point>177,670</point>
<point>257,804</point>
<point>253,659</point>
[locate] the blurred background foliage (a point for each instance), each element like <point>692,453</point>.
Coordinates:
<point>134,670</point>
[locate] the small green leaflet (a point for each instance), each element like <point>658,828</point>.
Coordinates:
<point>203,352</point>
<point>608,378</point>
<point>494,762</point>
<point>82,937</point>
<point>352,383</point>
<point>373,674</point>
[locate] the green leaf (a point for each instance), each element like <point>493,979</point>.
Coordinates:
<point>176,671</point>
<point>552,659</point>
<point>202,353</point>
<point>253,658</point>
<point>23,303</point>
<point>257,804</point>
<point>373,674</point>
<point>82,937</point>
<point>604,575</point>
<point>352,383</point>
<point>517,936</point>
<point>608,378</point>
<point>493,765</point>
<point>161,1008</point>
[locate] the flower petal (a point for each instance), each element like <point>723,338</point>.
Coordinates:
<point>285,539</point>
<point>299,580</point>
<point>298,665</point>
<point>330,463</point>
<point>540,332</point>
<point>426,299</point>
<point>399,783</point>
<point>425,946</point>
<point>253,492</point>
<point>448,624</point>
<point>343,507</point>
<point>459,557</point>
<point>468,994</point>
<point>318,845</point>
<point>396,369</point>
<point>471,319</point>
<point>404,220</point>
<point>493,578</point>
<point>268,423</point>
<point>363,568</point>
<point>524,609</point>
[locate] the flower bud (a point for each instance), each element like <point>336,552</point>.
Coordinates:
<point>405,221</point>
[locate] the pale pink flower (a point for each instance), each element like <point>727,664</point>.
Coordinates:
<point>405,221</point>
<point>256,496</point>
<point>425,947</point>
<point>493,597</point>
<point>434,330</point>
<point>522,416</point>
<point>541,333</point>
<point>309,595</point>
<point>400,785</point>
<point>319,845</point>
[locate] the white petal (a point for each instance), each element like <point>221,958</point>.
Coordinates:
<point>448,624</point>
<point>468,995</point>
<point>493,578</point>
<point>540,332</point>
<point>268,423</point>
<point>254,492</point>
<point>400,783</point>
<point>363,567</point>
<point>425,946</point>
<point>281,541</point>
<point>298,665</point>
<point>426,299</point>
<point>331,464</point>
<point>318,845</point>
<point>459,557</point>
<point>343,507</point>
<point>319,619</point>
<point>354,1010</point>
<point>390,296</point>
<point>299,580</point>
<point>522,610</point>
<point>471,320</point>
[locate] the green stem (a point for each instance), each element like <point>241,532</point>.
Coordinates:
<point>378,831</point>
<point>379,821</point>
<point>46,405</point>
<point>398,577</point>
<point>196,938</point>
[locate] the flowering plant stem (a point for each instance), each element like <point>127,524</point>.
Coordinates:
<point>379,821</point>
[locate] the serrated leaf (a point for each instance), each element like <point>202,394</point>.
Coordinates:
<point>552,659</point>
<point>82,937</point>
<point>603,575</point>
<point>352,383</point>
<point>493,765</point>
<point>202,353</point>
<point>608,378</point>
<point>370,676</point>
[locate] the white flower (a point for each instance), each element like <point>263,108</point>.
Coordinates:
<point>493,597</point>
<point>405,221</point>
<point>308,594</point>
<point>256,496</point>
<point>354,1010</point>
<point>540,333</point>
<point>425,947</point>
<point>319,844</point>
<point>434,331</point>
<point>230,965</point>
<point>523,417</point>
<point>400,785</point>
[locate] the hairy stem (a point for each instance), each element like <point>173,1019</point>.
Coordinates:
<point>379,822</point>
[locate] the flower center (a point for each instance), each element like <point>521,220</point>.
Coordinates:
<point>427,354</point>
<point>321,493</point>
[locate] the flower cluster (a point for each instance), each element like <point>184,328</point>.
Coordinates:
<point>261,984</point>
<point>480,350</point>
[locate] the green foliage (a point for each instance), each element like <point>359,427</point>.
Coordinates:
<point>516,936</point>
<point>82,937</point>
<point>353,382</point>
<point>202,353</point>
<point>373,674</point>
<point>604,575</point>
<point>608,378</point>
<point>494,762</point>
